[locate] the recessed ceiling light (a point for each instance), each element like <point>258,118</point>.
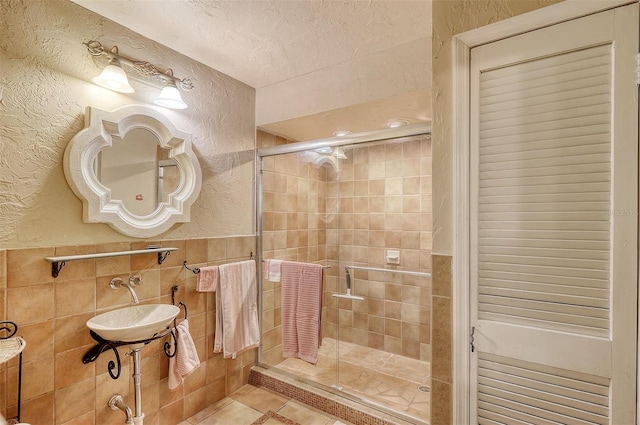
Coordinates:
<point>340,133</point>
<point>396,123</point>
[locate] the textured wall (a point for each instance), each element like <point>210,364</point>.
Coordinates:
<point>452,17</point>
<point>45,86</point>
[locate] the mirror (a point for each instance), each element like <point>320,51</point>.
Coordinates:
<point>133,170</point>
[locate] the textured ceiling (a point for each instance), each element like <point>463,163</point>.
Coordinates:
<point>263,43</point>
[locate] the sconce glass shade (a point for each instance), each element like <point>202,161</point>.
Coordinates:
<point>170,97</point>
<point>114,78</point>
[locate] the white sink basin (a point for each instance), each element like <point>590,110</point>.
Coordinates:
<point>136,323</point>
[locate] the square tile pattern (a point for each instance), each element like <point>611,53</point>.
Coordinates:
<point>390,380</point>
<point>251,405</point>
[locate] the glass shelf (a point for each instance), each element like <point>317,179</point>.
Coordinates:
<point>57,263</point>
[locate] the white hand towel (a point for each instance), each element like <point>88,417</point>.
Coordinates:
<point>237,326</point>
<point>274,273</point>
<point>186,359</point>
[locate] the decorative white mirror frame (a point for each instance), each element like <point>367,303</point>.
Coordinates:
<point>98,207</point>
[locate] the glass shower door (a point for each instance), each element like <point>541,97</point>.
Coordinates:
<point>298,223</point>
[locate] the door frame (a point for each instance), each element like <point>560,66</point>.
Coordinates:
<point>461,66</point>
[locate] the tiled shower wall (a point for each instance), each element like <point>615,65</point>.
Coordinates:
<point>384,201</point>
<point>57,388</point>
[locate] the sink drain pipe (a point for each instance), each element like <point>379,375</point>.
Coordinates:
<point>117,401</point>
<point>137,395</point>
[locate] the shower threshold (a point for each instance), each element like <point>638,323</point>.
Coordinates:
<point>390,384</point>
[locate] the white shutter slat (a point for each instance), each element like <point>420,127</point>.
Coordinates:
<point>590,295</point>
<point>577,60</point>
<point>532,117</point>
<point>579,322</point>
<point>538,105</point>
<point>544,411</point>
<point>492,413</point>
<point>594,225</point>
<point>555,143</point>
<point>586,385</point>
<point>548,279</point>
<point>517,258</point>
<point>546,85</point>
<point>594,275</point>
<point>546,176</point>
<point>565,202</point>
<point>538,216</point>
<point>538,308</point>
<point>569,126</point>
<point>590,158</point>
<point>558,134</point>
<point>488,288</point>
<point>560,177</point>
<point>524,387</point>
<point>546,234</point>
<point>523,390</point>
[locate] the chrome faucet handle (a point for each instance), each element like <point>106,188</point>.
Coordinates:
<point>116,283</point>
<point>135,280</point>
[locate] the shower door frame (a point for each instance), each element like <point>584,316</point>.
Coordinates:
<point>396,134</point>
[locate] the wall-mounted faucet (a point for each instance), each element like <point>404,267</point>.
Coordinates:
<point>134,280</point>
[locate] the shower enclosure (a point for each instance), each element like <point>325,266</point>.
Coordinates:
<point>361,207</point>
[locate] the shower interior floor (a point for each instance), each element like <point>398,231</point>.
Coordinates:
<point>386,379</point>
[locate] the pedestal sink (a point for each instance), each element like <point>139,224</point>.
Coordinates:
<point>133,324</point>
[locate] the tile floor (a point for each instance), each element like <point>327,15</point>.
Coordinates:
<point>388,379</point>
<point>250,404</point>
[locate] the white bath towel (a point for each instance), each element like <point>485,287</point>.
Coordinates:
<point>237,328</point>
<point>186,359</point>
<point>207,279</point>
<point>274,273</point>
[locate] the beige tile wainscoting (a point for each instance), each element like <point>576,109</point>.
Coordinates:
<point>57,388</point>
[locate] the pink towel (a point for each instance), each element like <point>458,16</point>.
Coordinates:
<point>207,279</point>
<point>186,359</point>
<point>237,328</point>
<point>301,310</point>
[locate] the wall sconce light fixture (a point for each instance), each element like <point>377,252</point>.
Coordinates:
<point>113,76</point>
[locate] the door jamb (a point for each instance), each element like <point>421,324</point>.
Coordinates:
<point>461,54</point>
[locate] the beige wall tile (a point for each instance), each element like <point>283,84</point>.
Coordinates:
<point>71,332</point>
<point>441,339</point>
<point>77,269</point>
<point>39,410</point>
<point>37,379</point>
<point>441,403</point>
<point>27,267</point>
<point>30,304</point>
<point>70,370</point>
<point>39,338</point>
<point>216,249</point>
<point>76,296</point>
<point>441,275</point>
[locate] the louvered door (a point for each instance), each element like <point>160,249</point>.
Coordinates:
<point>554,229</point>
